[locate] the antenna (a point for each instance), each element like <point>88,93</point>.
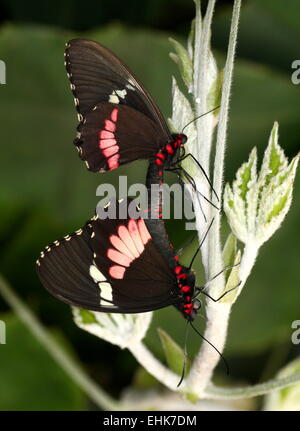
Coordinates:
<point>201,243</point>
<point>202,115</point>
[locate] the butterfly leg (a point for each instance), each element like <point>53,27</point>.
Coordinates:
<point>192,182</point>
<point>177,171</point>
<point>185,156</point>
<point>202,289</point>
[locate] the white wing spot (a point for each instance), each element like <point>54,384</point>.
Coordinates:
<point>106,293</point>
<point>130,87</point>
<point>104,286</point>
<point>113,98</point>
<point>96,275</point>
<point>121,93</point>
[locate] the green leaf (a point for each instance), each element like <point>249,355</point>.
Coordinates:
<point>174,354</point>
<point>191,39</point>
<point>231,257</point>
<point>233,281</point>
<point>279,204</point>
<point>87,317</point>
<point>215,93</point>
<point>274,159</point>
<point>246,175</point>
<point>229,251</point>
<point>30,379</point>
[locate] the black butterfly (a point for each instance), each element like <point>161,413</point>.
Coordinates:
<point>113,265</point>
<point>119,121</point>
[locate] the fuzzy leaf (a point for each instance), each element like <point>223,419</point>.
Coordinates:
<point>234,208</point>
<point>255,207</point>
<point>274,159</point>
<point>184,62</point>
<point>191,40</point>
<point>182,114</point>
<point>119,329</point>
<point>86,316</point>
<point>215,93</point>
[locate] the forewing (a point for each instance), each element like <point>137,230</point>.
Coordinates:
<point>96,75</point>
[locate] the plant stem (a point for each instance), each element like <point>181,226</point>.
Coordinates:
<point>154,367</point>
<point>217,393</point>
<point>217,314</point>
<point>202,81</point>
<point>68,364</point>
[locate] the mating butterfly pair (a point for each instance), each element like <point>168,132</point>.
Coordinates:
<point>120,265</point>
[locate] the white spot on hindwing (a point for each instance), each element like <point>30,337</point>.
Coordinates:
<point>104,286</point>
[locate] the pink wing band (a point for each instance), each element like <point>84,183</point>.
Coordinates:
<point>107,141</point>
<point>128,245</point>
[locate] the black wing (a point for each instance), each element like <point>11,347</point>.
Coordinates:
<point>99,78</point>
<point>109,265</point>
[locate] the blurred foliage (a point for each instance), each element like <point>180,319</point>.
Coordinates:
<point>79,16</point>
<point>46,192</point>
<point>30,379</point>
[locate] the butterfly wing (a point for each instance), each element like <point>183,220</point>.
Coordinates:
<point>109,265</point>
<point>100,82</point>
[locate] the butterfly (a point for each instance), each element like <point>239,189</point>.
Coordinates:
<point>113,265</point>
<point>119,121</point>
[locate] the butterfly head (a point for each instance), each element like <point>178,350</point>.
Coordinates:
<point>180,139</point>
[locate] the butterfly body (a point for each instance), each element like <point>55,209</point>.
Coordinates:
<point>168,154</point>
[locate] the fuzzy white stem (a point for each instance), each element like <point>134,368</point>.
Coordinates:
<point>154,367</point>
<point>218,314</point>
<point>217,393</point>
<point>204,124</point>
<point>248,260</point>
<point>207,358</point>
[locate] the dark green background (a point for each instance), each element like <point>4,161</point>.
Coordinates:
<point>46,192</point>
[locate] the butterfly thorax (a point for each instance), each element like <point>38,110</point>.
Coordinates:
<point>169,153</point>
